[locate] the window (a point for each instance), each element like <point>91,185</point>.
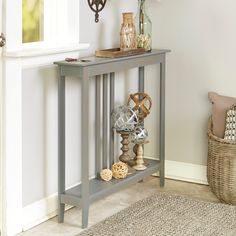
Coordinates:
<point>32,21</point>
<point>41,24</point>
<point>49,22</point>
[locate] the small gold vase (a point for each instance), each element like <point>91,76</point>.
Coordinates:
<point>128,32</point>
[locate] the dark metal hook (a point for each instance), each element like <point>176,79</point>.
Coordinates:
<point>97,6</point>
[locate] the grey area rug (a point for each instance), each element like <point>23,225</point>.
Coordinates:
<point>169,215</point>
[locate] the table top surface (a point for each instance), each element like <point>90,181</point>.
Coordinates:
<point>93,60</point>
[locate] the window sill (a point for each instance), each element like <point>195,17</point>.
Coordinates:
<point>44,51</point>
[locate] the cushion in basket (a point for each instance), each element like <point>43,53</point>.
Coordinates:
<point>230,126</point>
<point>221,104</point>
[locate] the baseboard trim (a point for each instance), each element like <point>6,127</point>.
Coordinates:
<point>42,210</point>
<point>185,171</point>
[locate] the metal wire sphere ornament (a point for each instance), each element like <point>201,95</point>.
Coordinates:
<point>139,135</point>
<point>124,119</point>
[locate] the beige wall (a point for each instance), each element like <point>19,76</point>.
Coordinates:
<point>202,36</point>
<point>106,34</point>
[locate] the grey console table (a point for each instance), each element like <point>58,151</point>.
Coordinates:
<point>103,70</point>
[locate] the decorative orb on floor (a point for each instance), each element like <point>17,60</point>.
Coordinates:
<point>124,119</point>
<point>139,135</point>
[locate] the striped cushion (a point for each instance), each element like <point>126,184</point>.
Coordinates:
<point>230,133</point>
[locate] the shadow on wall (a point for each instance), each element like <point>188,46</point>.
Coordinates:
<point>115,10</point>
<point>101,33</point>
<point>106,33</point>
<point>49,77</point>
<point>39,140</point>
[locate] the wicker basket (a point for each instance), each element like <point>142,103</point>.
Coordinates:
<point>221,167</point>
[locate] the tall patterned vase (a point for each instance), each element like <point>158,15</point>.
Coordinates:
<point>144,27</point>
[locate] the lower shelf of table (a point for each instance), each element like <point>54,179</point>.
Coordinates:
<point>100,189</point>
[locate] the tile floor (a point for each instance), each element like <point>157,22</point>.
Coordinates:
<point>116,202</point>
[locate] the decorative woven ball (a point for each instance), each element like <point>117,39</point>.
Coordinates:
<point>106,174</point>
<point>139,135</point>
<point>141,103</point>
<point>119,170</point>
<point>124,119</point>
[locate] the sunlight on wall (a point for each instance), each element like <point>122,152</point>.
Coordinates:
<point>32,21</point>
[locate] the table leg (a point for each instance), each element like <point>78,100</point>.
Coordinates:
<point>162,124</point>
<point>141,90</point>
<point>61,146</point>
<point>85,150</point>
<point>98,125</point>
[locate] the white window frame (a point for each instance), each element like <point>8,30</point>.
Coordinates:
<point>61,28</point>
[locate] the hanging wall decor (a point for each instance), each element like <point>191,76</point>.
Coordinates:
<point>97,6</point>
